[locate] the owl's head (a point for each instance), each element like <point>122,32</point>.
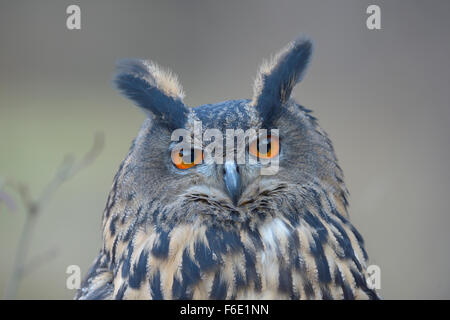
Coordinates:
<point>213,177</point>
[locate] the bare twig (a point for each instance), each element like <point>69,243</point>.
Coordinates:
<point>39,260</point>
<point>7,200</point>
<point>68,168</point>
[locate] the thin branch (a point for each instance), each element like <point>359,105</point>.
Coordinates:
<point>7,200</point>
<point>68,168</point>
<point>40,260</point>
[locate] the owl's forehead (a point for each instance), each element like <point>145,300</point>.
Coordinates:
<point>231,114</point>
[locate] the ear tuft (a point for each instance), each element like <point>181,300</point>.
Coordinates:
<point>278,76</point>
<point>155,90</point>
<point>149,71</point>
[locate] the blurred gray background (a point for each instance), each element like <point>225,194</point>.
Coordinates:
<point>383,97</point>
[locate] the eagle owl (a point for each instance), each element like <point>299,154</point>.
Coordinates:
<point>180,229</point>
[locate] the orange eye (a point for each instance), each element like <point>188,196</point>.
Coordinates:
<point>265,148</point>
<point>182,161</point>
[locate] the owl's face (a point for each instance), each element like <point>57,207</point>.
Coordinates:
<point>184,186</point>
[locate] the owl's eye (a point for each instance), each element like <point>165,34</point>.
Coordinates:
<point>185,161</point>
<point>267,148</point>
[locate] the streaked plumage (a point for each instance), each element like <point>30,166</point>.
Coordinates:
<point>178,235</point>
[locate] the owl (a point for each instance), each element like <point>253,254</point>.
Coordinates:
<point>177,226</point>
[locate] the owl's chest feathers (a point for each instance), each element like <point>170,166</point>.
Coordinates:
<point>278,258</point>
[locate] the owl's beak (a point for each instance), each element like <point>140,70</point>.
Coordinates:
<point>232,180</point>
